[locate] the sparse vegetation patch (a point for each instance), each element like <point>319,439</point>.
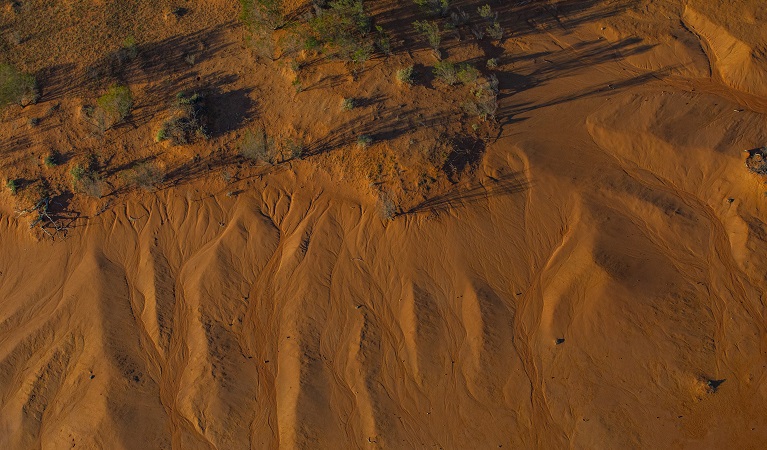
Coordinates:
<point>429,29</point>
<point>146,176</point>
<point>12,185</point>
<point>446,72</point>
<point>405,75</point>
<point>256,147</point>
<point>17,87</point>
<point>483,101</point>
<point>114,106</point>
<point>188,120</point>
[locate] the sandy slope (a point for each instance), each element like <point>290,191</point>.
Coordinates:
<point>598,284</point>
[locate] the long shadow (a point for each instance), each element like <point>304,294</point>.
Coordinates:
<point>463,195</point>
<point>466,153</point>
<point>230,109</point>
<point>169,62</point>
<point>385,125</point>
<point>197,168</point>
<point>518,19</point>
<point>508,112</point>
<point>21,137</point>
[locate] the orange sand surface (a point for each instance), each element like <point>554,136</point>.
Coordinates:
<point>595,280</point>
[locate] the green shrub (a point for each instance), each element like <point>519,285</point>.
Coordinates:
<point>259,14</point>
<point>343,28</point>
<point>339,28</point>
<point>12,186</point>
<point>188,120</point>
<point>52,159</point>
<point>446,72</point>
<point>16,87</point>
<point>356,53</point>
<point>78,173</point>
<point>347,104</point>
<point>486,12</point>
<point>495,31</point>
<point>129,50</point>
<point>405,75</point>
<point>430,30</point>
<point>382,40</point>
<point>115,105</point>
<point>492,63</point>
<point>84,178</point>
<point>484,100</point>
<point>297,85</point>
<point>364,141</point>
<point>467,74</point>
<point>436,7</point>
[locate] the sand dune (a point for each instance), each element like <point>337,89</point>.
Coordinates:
<point>734,61</point>
<point>598,282</point>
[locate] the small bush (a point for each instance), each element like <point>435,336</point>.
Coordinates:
<point>478,32</point>
<point>495,31</point>
<point>383,41</point>
<point>115,105</point>
<point>484,101</point>
<point>129,50</point>
<point>348,104</point>
<point>297,85</point>
<point>405,75</point>
<point>467,74</point>
<point>83,174</point>
<point>430,30</point>
<point>146,176</point>
<point>486,12</point>
<point>436,7</point>
<point>16,87</point>
<point>492,63</point>
<point>92,187</point>
<point>52,159</point>
<point>85,180</point>
<point>343,27</point>
<point>78,173</point>
<point>446,72</point>
<point>364,141</point>
<point>459,18</point>
<point>188,120</point>
<point>257,147</point>
<point>259,14</point>
<point>12,186</point>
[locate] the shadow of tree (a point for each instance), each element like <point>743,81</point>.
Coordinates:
<point>229,110</point>
<point>518,19</point>
<point>467,152</point>
<point>464,194</point>
<point>508,111</point>
<point>169,63</point>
